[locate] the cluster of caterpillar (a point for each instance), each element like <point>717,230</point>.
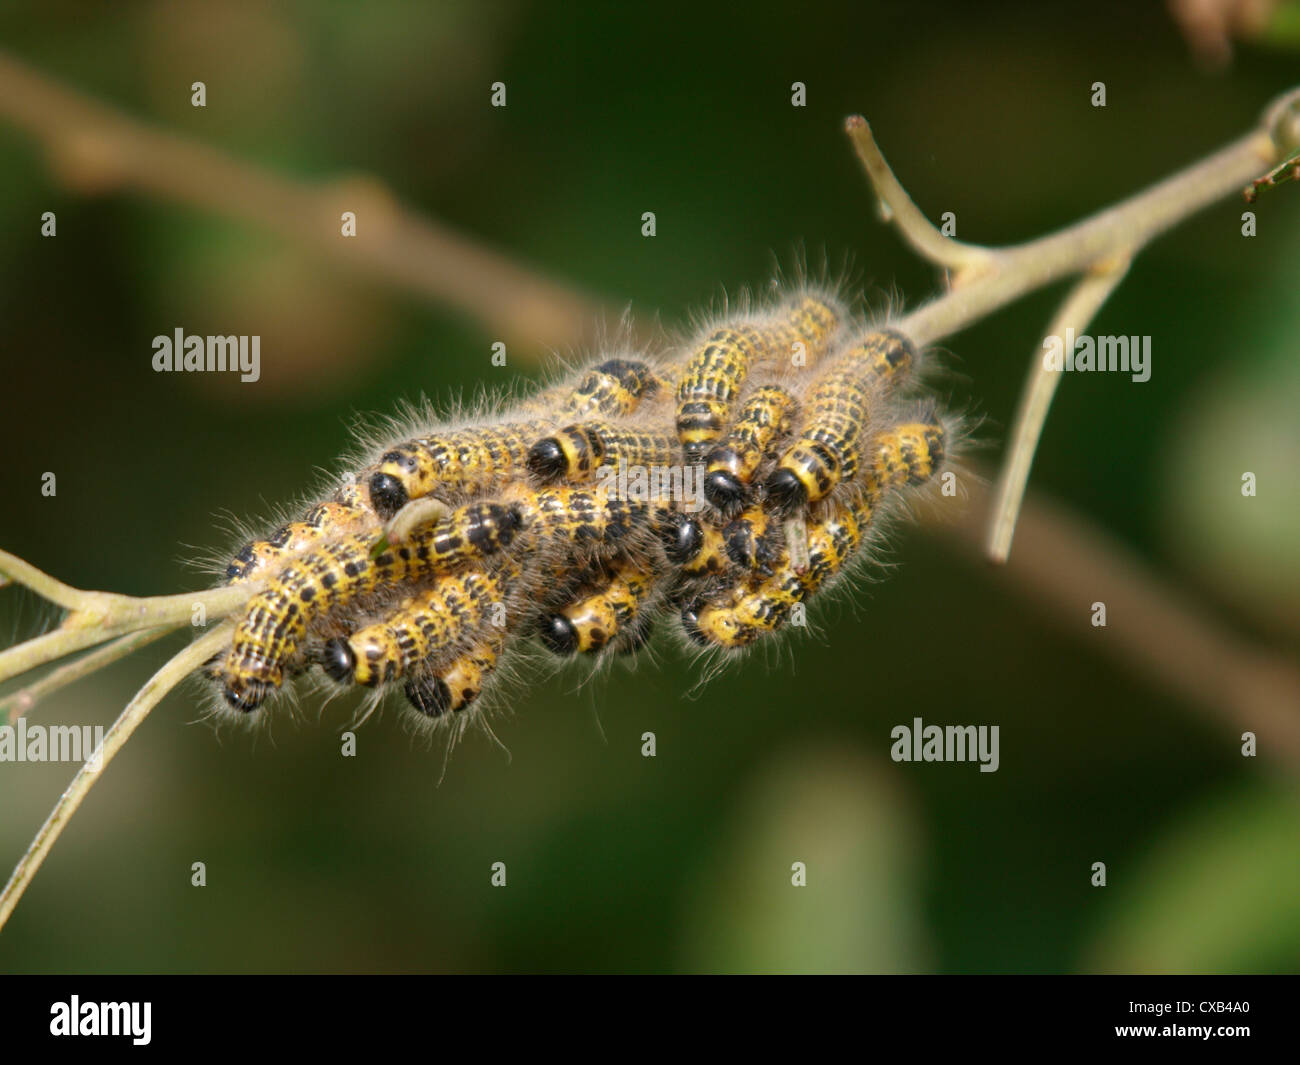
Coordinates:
<point>805,427</point>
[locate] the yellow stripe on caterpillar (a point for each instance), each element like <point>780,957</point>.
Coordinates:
<point>614,388</point>
<point>455,686</point>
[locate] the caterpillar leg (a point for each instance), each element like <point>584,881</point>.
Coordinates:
<point>837,412</point>
<point>591,622</point>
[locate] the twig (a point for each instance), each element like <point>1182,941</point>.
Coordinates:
<point>132,717</point>
<point>1080,307</point>
<point>896,206</point>
<point>97,617</point>
<point>989,278</point>
<point>94,147</point>
<point>21,702</point>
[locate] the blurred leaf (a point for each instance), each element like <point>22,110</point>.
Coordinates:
<point>1221,894</point>
<point>848,823</point>
<point>1243,420</point>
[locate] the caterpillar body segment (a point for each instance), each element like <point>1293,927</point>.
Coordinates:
<point>433,623</point>
<point>463,461</point>
<point>593,621</point>
<point>906,455</point>
<point>346,513</point>
<point>709,386</point>
<point>753,540</point>
<point>765,418</point>
<point>581,520</point>
<point>269,635</point>
<point>614,388</point>
<point>576,452</point>
<point>803,332</point>
<point>755,608</point>
<point>814,321</point>
<point>467,534</point>
<point>456,685</point>
<point>838,411</point>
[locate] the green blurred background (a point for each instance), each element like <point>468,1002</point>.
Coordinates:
<point>681,862</point>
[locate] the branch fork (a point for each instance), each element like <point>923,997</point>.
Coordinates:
<point>1097,251</point>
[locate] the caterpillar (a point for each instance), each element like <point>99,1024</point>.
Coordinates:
<point>806,429</point>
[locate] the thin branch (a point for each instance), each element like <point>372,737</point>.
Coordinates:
<point>1124,228</point>
<point>989,278</point>
<point>24,699</point>
<point>171,674</point>
<point>95,147</point>
<point>896,206</point>
<point>1079,308</point>
<point>97,617</point>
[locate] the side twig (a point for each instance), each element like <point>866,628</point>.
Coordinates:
<point>1080,307</point>
<point>1099,246</point>
<point>176,670</point>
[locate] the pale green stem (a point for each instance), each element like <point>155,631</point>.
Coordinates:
<point>1079,308</point>
<point>22,701</point>
<point>171,674</point>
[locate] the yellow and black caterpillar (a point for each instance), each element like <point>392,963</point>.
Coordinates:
<point>721,488</point>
